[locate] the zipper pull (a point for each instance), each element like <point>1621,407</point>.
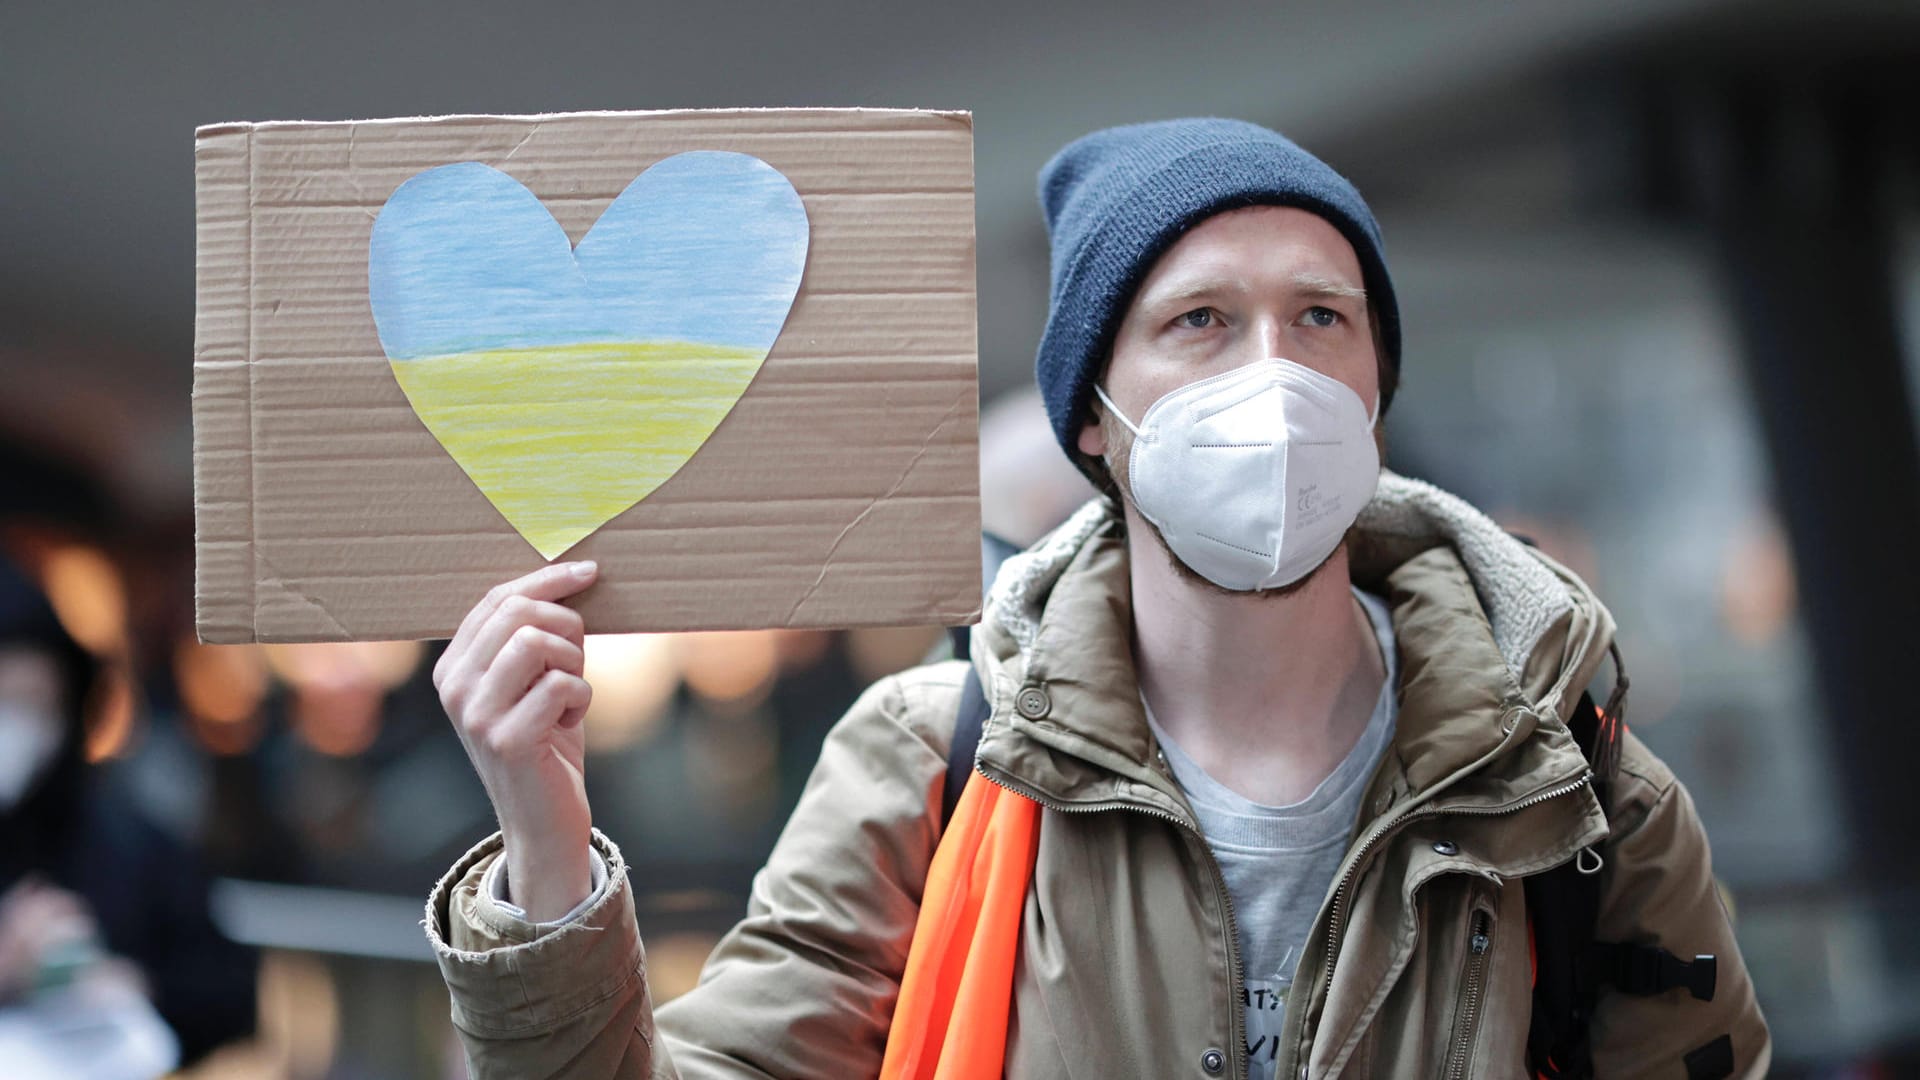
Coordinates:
<point>1480,939</point>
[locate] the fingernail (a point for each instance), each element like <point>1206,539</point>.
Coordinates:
<point>585,569</point>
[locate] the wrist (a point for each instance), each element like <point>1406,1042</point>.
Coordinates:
<point>547,880</point>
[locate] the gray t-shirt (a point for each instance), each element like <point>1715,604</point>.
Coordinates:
<point>1279,861</point>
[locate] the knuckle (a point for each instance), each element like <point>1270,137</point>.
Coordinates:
<point>536,692</point>
<point>498,741</point>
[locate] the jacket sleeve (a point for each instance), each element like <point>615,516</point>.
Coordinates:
<point>803,986</point>
<point>535,1002</point>
<point>1660,890</point>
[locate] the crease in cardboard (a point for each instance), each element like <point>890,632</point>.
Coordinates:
<point>532,130</point>
<point>353,175</point>
<point>826,561</point>
<point>301,598</point>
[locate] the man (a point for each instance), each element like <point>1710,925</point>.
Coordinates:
<point>1296,726</point>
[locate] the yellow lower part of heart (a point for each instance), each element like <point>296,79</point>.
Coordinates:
<point>563,438</point>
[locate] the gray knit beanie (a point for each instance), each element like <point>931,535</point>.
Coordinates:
<point>1117,199</point>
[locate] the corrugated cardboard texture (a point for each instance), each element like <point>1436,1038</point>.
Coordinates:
<point>841,491</point>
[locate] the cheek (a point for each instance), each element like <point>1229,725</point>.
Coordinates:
<point>1365,383</point>
<point>1350,361</point>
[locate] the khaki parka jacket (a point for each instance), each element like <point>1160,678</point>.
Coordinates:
<point>1128,962</point>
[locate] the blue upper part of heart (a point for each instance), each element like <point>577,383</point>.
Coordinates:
<point>706,246</point>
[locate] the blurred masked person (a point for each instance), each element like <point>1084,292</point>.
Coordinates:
<point>1274,739</point>
<point>92,895</point>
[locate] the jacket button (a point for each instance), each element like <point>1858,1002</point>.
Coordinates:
<point>1032,702</point>
<point>1214,1062</point>
<point>1446,847</point>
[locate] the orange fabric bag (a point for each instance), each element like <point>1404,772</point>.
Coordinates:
<point>950,1022</point>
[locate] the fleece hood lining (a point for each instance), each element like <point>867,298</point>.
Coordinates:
<point>1523,597</point>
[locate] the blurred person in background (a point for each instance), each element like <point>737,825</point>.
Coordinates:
<point>1026,487</point>
<point>93,897</point>
<point>1276,746</point>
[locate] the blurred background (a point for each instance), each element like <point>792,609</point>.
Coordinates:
<point>1660,274</point>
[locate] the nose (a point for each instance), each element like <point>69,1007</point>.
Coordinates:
<point>1269,334</point>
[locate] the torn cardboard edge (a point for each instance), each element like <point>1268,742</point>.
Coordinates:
<point>959,116</point>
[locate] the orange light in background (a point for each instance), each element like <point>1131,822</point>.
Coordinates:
<point>388,663</point>
<point>339,688</point>
<point>111,713</point>
<point>298,1031</point>
<point>674,962</point>
<point>220,683</point>
<point>87,595</point>
<point>881,651</point>
<point>299,1013</point>
<point>228,738</point>
<point>633,678</point>
<point>382,664</point>
<point>801,649</point>
<point>221,687</point>
<point>730,670</point>
<point>337,720</point>
<point>1758,590</point>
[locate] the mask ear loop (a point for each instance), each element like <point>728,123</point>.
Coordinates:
<point>1115,410</point>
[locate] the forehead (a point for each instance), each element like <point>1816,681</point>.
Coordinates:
<point>1254,243</point>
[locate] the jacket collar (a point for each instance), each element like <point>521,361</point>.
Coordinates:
<point>1493,637</point>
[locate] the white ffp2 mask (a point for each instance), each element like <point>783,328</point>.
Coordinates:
<point>1254,475</point>
<point>29,741</point>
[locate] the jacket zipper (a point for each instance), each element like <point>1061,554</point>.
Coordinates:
<point>1236,1011</point>
<point>1480,938</point>
<point>1336,913</point>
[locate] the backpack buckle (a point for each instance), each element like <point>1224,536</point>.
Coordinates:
<point>1648,969</point>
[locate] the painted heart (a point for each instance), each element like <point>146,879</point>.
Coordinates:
<point>571,382</point>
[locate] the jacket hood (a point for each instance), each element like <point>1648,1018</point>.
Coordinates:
<point>1488,628</point>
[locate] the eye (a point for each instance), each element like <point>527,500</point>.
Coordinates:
<point>1197,319</point>
<point>1322,317</point>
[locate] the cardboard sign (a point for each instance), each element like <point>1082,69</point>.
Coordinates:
<point>730,355</point>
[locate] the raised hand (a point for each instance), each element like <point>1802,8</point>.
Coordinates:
<point>511,681</point>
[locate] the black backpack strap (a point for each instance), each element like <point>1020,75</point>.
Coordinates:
<point>973,711</point>
<point>1563,905</point>
<point>1571,969</point>
<point>1647,969</point>
<point>967,724</point>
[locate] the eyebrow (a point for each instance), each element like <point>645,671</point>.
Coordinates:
<point>1315,285</point>
<point>1312,285</point>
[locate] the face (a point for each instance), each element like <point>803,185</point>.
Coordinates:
<point>31,724</point>
<point>1242,286</point>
